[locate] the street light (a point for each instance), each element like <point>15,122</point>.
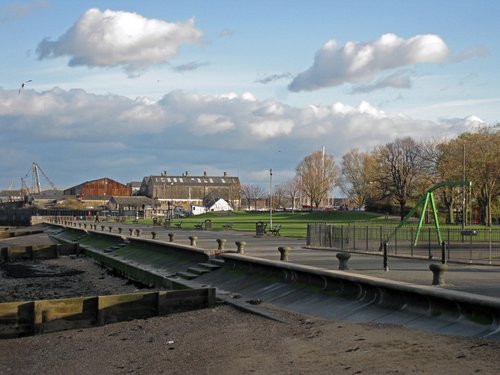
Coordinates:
<point>271,198</point>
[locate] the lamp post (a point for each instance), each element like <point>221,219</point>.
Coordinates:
<point>271,198</point>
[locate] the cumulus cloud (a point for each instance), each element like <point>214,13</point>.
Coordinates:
<point>237,132</point>
<point>360,62</point>
<point>117,38</point>
<point>272,78</point>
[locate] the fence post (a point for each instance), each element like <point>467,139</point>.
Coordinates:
<point>367,238</point>
<point>354,237</point>
<point>341,237</point>
<point>386,266</point>
<point>443,252</point>
<point>489,240</point>
<point>429,235</point>
<point>396,241</point>
<point>411,242</point>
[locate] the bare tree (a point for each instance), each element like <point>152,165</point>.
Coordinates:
<point>400,165</point>
<point>292,190</point>
<point>279,196</point>
<point>357,176</point>
<point>252,193</point>
<point>317,174</point>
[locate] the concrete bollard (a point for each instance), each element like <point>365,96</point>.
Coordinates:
<point>153,235</point>
<point>131,231</point>
<point>171,237</point>
<point>138,232</point>
<point>110,229</point>
<point>193,240</point>
<point>284,250</point>
<point>220,242</point>
<point>343,259</point>
<point>241,246</point>
<point>438,271</point>
<point>120,230</point>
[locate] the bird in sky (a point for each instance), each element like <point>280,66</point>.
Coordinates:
<point>22,85</point>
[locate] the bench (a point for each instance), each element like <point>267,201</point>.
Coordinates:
<point>275,230</point>
<point>198,226</point>
<point>178,224</point>
<point>227,226</point>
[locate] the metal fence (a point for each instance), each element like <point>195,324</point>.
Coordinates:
<point>477,246</point>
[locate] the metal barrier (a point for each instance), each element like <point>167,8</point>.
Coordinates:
<point>474,246</point>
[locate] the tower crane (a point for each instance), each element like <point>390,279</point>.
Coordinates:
<point>36,178</point>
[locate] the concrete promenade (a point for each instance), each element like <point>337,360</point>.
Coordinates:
<point>476,279</point>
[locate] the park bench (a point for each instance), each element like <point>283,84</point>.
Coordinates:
<point>198,225</point>
<point>275,230</point>
<point>227,226</point>
<point>178,224</point>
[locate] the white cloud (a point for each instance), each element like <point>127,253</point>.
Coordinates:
<point>186,130</point>
<point>356,63</point>
<point>117,38</point>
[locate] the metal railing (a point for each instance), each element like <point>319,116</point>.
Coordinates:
<point>478,246</point>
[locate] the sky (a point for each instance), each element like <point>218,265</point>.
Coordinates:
<point>128,89</point>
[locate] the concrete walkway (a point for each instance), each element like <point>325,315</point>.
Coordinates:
<point>476,279</point>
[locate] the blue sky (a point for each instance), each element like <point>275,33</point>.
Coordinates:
<point>127,89</point>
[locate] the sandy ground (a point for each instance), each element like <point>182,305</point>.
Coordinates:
<point>222,340</point>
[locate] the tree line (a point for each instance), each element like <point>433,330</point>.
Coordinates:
<point>400,172</point>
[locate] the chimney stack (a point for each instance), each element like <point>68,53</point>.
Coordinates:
<point>204,173</point>
<point>225,174</point>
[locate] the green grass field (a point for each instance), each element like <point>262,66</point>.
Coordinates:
<point>292,224</point>
<point>295,224</point>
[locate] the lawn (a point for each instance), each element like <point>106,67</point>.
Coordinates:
<point>292,224</point>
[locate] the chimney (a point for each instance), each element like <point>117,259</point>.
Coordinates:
<point>225,174</point>
<point>204,173</point>
<point>186,173</point>
<point>165,172</point>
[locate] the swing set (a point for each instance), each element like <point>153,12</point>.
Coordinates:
<point>423,203</point>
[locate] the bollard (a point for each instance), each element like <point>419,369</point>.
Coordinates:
<point>110,229</point>
<point>153,235</point>
<point>444,245</point>
<point>171,237</point>
<point>131,231</point>
<point>85,225</point>
<point>386,266</point>
<point>284,250</point>
<point>241,246</point>
<point>193,240</point>
<point>120,230</point>
<point>79,225</point>
<point>438,271</point>
<point>102,228</point>
<point>57,250</point>
<point>343,258</point>
<point>138,232</point>
<point>221,242</point>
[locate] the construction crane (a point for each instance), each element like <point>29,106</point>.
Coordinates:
<point>36,186</point>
